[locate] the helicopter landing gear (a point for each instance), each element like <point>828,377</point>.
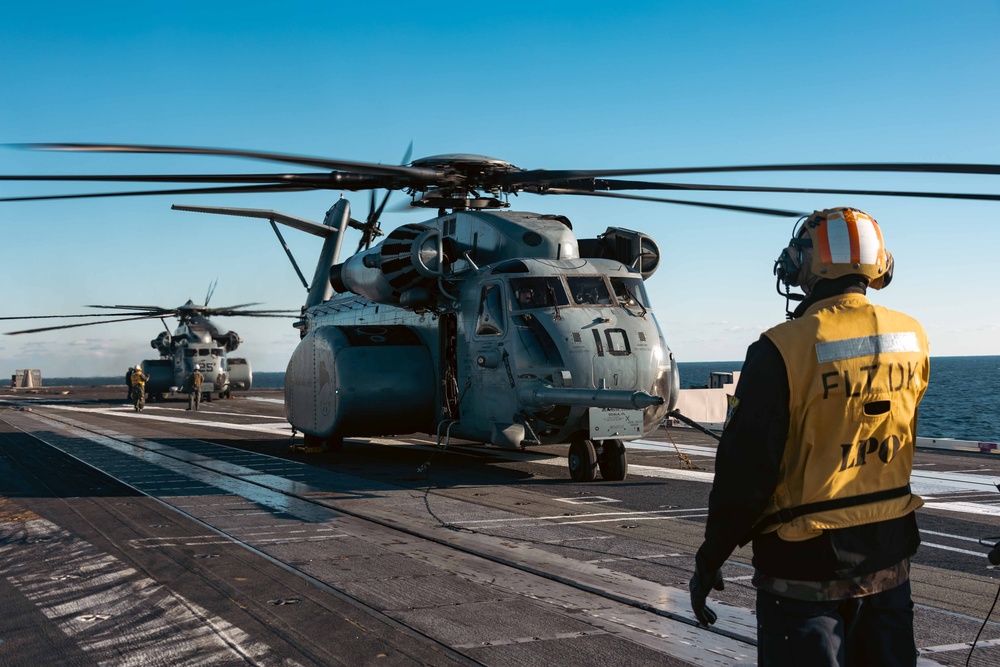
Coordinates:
<point>612,460</point>
<point>582,460</point>
<point>311,444</point>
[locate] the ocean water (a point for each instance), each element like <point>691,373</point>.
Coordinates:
<point>962,400</point>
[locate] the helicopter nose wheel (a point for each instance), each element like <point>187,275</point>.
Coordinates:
<point>582,460</point>
<point>612,460</point>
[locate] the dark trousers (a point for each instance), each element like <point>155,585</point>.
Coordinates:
<point>872,631</point>
<point>194,399</point>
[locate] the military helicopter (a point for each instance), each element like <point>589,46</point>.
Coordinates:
<point>479,323</point>
<point>197,342</point>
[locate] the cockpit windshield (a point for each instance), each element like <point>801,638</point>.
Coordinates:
<point>548,291</point>
<point>628,291</point>
<point>538,292</point>
<point>589,290</point>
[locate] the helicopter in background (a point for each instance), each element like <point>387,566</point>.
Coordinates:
<point>479,323</point>
<point>197,342</point>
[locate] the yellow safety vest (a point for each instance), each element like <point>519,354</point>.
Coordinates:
<point>856,373</point>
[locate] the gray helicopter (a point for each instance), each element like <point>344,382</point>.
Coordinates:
<point>196,343</point>
<point>479,323</point>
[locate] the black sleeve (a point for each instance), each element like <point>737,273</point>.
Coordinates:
<point>749,454</point>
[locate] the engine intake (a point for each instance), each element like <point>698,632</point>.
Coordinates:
<point>631,248</point>
<point>402,270</point>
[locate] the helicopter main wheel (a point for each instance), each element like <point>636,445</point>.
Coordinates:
<point>613,461</point>
<point>311,444</point>
<point>582,460</point>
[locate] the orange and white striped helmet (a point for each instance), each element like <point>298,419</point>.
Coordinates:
<point>842,241</point>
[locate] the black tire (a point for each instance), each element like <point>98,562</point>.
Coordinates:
<point>311,442</point>
<point>582,460</point>
<point>613,461</point>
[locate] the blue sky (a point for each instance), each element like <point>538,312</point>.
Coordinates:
<point>543,85</point>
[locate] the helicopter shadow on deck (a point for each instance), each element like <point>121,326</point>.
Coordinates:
<point>419,467</point>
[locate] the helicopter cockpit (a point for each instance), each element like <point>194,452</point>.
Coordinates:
<point>206,359</point>
<point>578,290</point>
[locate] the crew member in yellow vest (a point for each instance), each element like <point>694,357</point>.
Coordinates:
<point>815,459</point>
<point>137,382</point>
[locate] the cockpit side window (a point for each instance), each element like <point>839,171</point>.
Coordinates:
<point>589,290</point>
<point>538,292</point>
<point>490,321</point>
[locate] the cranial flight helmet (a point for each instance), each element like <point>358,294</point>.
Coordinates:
<point>830,244</point>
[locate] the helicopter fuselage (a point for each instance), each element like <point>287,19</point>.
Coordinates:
<point>515,352</point>
<point>197,343</point>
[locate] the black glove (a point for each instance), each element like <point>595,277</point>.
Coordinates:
<point>702,582</point>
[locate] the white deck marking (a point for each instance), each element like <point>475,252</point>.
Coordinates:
<point>276,429</point>
<point>979,554</point>
<point>111,610</point>
<point>279,401</point>
<point>954,537</point>
<point>965,508</point>
<point>982,643</point>
<point>589,500</point>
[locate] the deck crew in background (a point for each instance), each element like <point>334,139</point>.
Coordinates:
<point>128,381</point>
<point>136,381</point>
<point>815,459</point>
<point>194,384</point>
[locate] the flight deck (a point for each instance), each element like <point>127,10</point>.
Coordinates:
<point>200,537</point>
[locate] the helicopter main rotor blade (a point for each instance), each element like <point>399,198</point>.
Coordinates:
<point>605,184</point>
<point>163,178</point>
<point>48,317</point>
<point>727,207</point>
<point>281,314</point>
<point>542,176</point>
<point>421,173</point>
<point>182,191</point>
<point>149,309</point>
<point>86,324</point>
<point>236,307</point>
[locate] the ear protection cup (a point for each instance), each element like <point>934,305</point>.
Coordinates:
<point>788,266</point>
